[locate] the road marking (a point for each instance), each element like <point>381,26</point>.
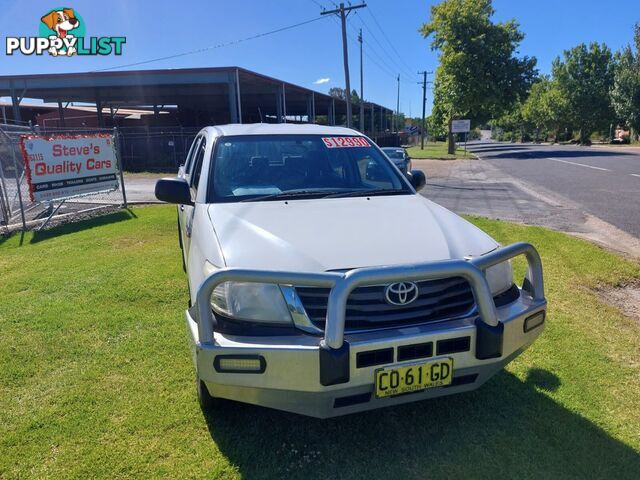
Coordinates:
<point>580,164</point>
<point>635,175</point>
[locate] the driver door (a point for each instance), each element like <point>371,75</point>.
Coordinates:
<point>186,211</point>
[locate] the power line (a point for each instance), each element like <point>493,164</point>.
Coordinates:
<point>385,67</point>
<point>319,4</point>
<point>387,38</point>
<point>343,12</point>
<point>213,47</point>
<point>381,62</point>
<point>407,72</point>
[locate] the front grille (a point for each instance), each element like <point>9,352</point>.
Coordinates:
<point>367,308</point>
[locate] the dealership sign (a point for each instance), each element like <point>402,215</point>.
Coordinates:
<point>460,126</point>
<point>64,166</point>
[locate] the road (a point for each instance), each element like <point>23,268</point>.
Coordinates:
<point>589,192</point>
<point>604,182</point>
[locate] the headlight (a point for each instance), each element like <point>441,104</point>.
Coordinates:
<point>499,277</point>
<point>256,302</point>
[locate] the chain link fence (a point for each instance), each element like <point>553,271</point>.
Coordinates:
<point>155,149</point>
<point>19,212</point>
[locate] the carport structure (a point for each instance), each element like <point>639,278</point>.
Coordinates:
<point>203,96</point>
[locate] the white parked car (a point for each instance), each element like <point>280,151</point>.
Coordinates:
<point>319,290</point>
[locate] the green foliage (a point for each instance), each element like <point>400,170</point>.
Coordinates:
<point>479,76</point>
<point>625,93</point>
<point>338,92</point>
<point>585,78</point>
<point>585,86</point>
<point>436,127</point>
<point>510,127</point>
<point>546,109</point>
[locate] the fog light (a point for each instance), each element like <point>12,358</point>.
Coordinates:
<point>239,364</point>
<point>534,321</point>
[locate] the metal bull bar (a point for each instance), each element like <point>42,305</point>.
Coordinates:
<point>342,284</point>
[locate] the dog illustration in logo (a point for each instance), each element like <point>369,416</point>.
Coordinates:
<point>61,22</point>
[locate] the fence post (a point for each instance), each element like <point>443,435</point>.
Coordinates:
<point>15,167</point>
<point>4,195</point>
<point>116,148</point>
<point>4,198</point>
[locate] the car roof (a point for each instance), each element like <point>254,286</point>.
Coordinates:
<point>281,129</point>
<point>395,149</point>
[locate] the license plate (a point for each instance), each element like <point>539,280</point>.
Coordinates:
<point>413,378</point>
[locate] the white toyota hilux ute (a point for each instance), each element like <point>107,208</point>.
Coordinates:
<point>321,283</point>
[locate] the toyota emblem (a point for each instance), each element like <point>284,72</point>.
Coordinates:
<point>401,293</point>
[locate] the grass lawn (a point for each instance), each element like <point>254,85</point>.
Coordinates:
<point>96,379</point>
<point>437,151</point>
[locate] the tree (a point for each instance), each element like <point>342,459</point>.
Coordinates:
<point>478,77</point>
<point>511,124</point>
<point>625,92</point>
<point>338,92</point>
<point>546,108</point>
<point>585,79</point>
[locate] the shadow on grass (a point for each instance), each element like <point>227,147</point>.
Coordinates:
<point>67,228</point>
<point>506,429</point>
<point>5,237</point>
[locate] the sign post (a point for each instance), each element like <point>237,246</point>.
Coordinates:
<point>117,142</point>
<point>461,126</point>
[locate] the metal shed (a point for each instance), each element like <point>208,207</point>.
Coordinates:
<point>201,96</point>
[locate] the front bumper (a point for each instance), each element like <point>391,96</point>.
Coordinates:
<point>325,377</point>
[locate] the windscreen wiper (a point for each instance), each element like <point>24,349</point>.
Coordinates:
<point>302,193</point>
<point>367,193</point>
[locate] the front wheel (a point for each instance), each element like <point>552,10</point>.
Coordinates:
<point>207,402</point>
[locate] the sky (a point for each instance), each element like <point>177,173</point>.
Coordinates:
<point>310,55</point>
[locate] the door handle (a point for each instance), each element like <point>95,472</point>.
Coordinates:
<point>182,208</point>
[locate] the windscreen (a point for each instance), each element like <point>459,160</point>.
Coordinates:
<point>271,166</point>
<point>394,153</point>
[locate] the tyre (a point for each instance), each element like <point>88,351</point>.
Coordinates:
<point>184,266</point>
<point>207,402</point>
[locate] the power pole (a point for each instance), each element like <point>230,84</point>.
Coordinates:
<point>343,12</point>
<point>424,102</point>
<point>361,86</point>
<point>398,107</point>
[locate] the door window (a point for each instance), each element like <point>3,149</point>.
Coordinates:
<point>197,164</point>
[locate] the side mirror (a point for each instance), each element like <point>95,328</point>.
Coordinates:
<point>173,190</point>
<point>418,179</point>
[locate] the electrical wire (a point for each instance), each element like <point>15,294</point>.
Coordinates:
<point>319,4</point>
<point>397,66</point>
<point>380,63</point>
<point>213,47</point>
<point>386,37</point>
